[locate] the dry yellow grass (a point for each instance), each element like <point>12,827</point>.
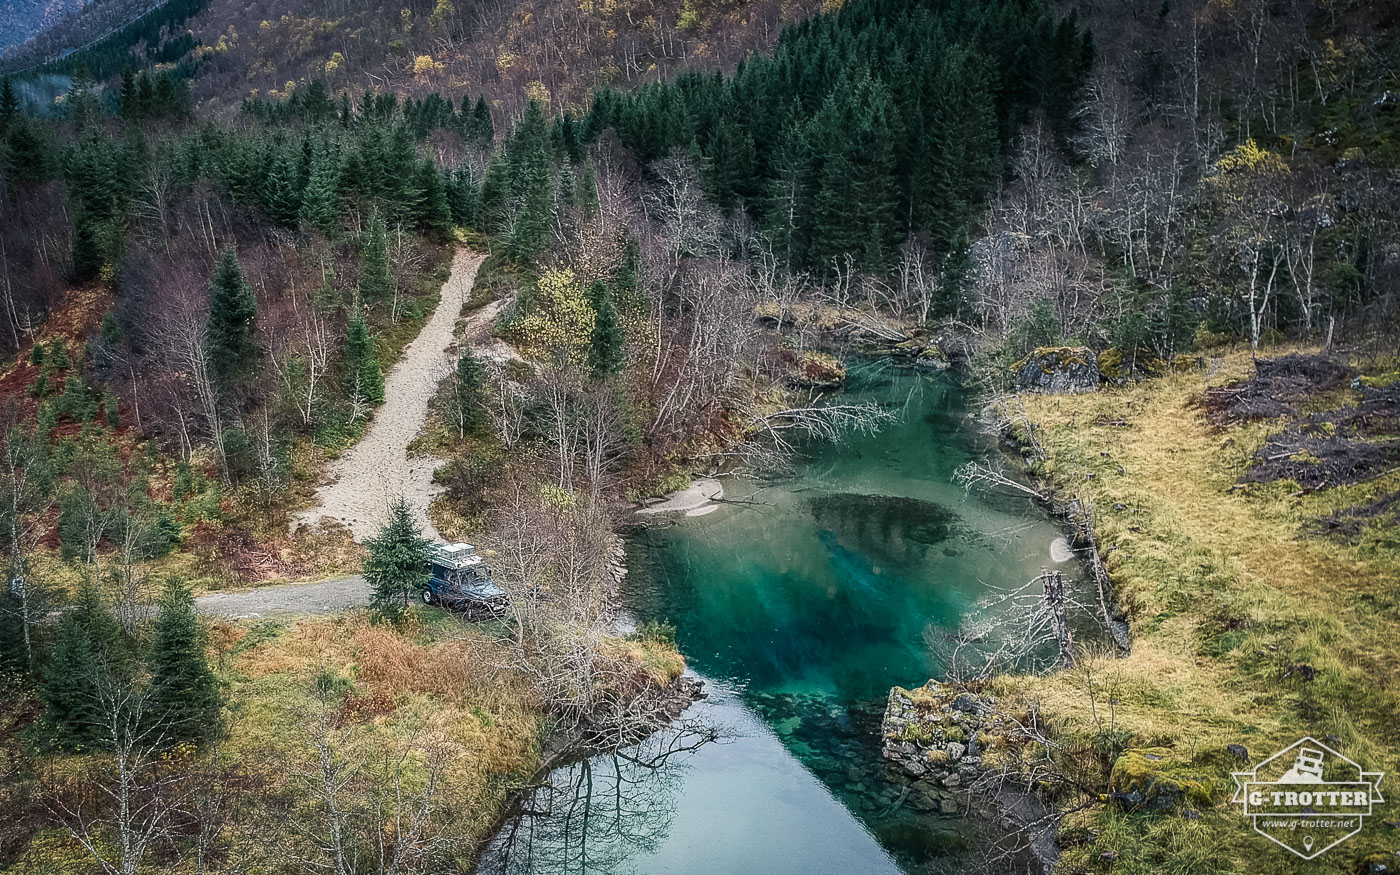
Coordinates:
<point>1226,589</point>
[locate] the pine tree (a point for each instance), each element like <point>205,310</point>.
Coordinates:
<point>88,652</point>
<point>607,354</point>
<point>71,678</point>
<point>528,157</point>
<point>9,104</point>
<point>401,181</point>
<point>184,695</point>
<point>462,196</point>
<point>483,128</point>
<point>586,197</point>
<point>435,214</point>
<point>233,312</point>
<point>87,245</point>
<point>281,191</point>
<point>376,278</point>
<point>130,109</point>
<point>320,204</point>
<point>493,204</point>
<point>397,565</point>
<point>364,378</point>
<point>468,381</point>
<point>855,208</point>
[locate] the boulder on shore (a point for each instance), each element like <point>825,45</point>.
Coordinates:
<point>1058,370</point>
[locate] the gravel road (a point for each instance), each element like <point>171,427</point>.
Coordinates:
<point>363,482</point>
<point>296,598</point>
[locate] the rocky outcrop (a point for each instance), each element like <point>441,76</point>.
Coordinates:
<point>1058,370</point>
<point>937,734</point>
<point>957,751</point>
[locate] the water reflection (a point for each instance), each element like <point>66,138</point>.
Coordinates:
<point>603,813</point>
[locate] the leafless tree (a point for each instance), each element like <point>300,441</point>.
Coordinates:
<point>26,495</point>
<point>676,201</point>
<point>138,795</point>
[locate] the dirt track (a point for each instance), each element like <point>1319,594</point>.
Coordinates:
<point>361,484</point>
<point>297,598</point>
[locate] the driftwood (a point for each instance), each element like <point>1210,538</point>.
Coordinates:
<point>1116,628</point>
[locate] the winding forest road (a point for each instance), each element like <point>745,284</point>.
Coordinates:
<point>361,484</point>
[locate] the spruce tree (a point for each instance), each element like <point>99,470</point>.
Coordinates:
<point>184,696</point>
<point>376,279</point>
<point>9,104</point>
<point>493,204</point>
<point>282,191</point>
<point>72,675</point>
<point>364,378</point>
<point>607,354</point>
<point>468,382</point>
<point>462,197</point>
<point>483,127</point>
<point>528,157</point>
<point>435,213</point>
<point>89,652</point>
<point>397,565</point>
<point>320,204</point>
<point>233,313</point>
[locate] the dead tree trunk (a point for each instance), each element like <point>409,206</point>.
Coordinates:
<point>1054,586</point>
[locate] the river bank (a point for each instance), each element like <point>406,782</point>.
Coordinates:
<point>1252,624</point>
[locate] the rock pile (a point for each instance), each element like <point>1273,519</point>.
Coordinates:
<point>939,735</point>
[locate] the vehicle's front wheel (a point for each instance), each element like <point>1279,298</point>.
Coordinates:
<point>427,597</point>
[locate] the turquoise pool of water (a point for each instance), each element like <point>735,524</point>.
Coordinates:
<point>800,600</point>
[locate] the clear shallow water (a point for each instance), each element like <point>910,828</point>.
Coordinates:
<point>801,601</point>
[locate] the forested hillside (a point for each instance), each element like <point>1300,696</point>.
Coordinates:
<point>221,237</point>
<point>21,19</point>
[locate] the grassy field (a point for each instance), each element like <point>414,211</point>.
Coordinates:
<point>1249,627</point>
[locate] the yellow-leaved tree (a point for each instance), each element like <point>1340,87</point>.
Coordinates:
<point>557,323</point>
<point>1247,207</point>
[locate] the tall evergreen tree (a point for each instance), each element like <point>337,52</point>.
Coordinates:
<point>468,382</point>
<point>282,191</point>
<point>9,104</point>
<point>233,313</point>
<point>855,210</point>
<point>376,278</point>
<point>90,651</point>
<point>462,196</point>
<point>320,204</point>
<point>484,129</point>
<point>528,156</point>
<point>397,565</point>
<point>435,213</point>
<point>184,695</point>
<point>607,354</point>
<point>493,206</point>
<point>72,674</point>
<point>364,378</point>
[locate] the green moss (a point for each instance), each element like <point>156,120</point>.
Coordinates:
<point>1162,779</point>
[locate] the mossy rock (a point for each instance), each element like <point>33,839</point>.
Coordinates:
<point>1156,779</point>
<point>1058,370</point>
<point>1118,368</point>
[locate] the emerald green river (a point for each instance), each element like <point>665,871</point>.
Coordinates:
<point>800,601</point>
